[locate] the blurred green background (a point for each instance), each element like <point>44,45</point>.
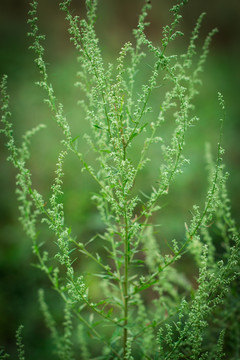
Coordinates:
<point>19,281</point>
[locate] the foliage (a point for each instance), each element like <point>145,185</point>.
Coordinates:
<point>173,321</point>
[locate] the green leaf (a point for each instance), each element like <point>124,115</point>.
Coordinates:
<point>73,140</point>
<point>98,127</point>
<point>105,151</point>
<point>142,127</point>
<point>133,136</point>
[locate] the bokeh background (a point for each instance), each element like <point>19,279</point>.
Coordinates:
<point>19,280</point>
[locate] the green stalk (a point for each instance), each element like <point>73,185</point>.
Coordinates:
<point>126,265</point>
<point>125,288</point>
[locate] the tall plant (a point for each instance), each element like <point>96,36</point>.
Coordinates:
<point>173,319</point>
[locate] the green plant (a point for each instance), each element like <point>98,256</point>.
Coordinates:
<point>174,321</point>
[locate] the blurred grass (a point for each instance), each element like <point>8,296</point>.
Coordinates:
<point>19,281</point>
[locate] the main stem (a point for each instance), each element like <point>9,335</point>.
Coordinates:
<point>125,288</point>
